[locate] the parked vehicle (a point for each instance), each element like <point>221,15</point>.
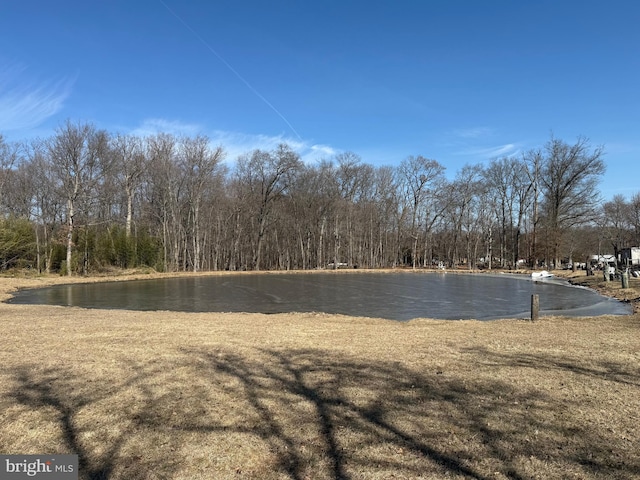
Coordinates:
<point>541,274</point>
<point>606,263</point>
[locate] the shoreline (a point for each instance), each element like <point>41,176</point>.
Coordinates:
<point>612,289</point>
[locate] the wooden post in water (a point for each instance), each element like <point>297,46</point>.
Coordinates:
<point>535,307</point>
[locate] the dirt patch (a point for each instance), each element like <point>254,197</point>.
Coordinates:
<point>141,395</point>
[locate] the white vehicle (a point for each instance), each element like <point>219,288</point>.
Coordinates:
<point>541,274</point>
<point>603,262</point>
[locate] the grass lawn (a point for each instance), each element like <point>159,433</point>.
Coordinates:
<point>166,395</point>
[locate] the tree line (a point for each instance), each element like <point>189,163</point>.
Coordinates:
<point>85,200</point>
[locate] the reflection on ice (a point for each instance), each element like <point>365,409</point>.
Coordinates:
<point>395,296</point>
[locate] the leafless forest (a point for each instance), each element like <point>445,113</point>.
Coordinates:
<point>85,200</point>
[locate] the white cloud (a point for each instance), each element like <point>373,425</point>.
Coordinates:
<point>506,150</point>
<point>236,144</point>
<point>153,126</point>
<point>324,150</point>
<point>477,142</point>
<point>25,103</point>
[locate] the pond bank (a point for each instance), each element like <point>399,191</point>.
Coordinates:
<point>398,295</point>
<point>9,284</point>
<point>611,289</point>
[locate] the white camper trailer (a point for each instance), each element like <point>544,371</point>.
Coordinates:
<point>629,256</point>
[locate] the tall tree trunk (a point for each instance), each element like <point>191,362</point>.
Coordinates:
<point>490,249</point>
<point>129,213</point>
<point>320,259</point>
<point>261,230</point>
<point>196,237</point>
<point>336,243</point>
<point>38,249</point>
<point>69,235</point>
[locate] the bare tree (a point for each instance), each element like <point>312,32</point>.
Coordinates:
<point>17,189</point>
<point>354,185</point>
<point>464,195</point>
<point>47,204</point>
<point>75,153</point>
<point>385,214</point>
<point>421,180</point>
<point>326,203</point>
<point>633,219</point>
<point>199,163</point>
<point>129,161</point>
<point>509,194</point>
<point>534,160</point>
<point>313,199</point>
<point>9,153</point>
<point>165,191</point>
<point>172,197</point>
<point>569,179</point>
<point>615,223</point>
<point>267,175</point>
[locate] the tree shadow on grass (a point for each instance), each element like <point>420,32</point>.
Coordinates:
<point>617,372</point>
<point>65,403</point>
<point>312,414</point>
<point>600,448</point>
<point>381,418</point>
<point>314,390</point>
<point>48,391</point>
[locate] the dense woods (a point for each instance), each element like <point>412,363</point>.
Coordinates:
<point>85,200</point>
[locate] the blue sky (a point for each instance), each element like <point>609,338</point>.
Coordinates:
<point>459,81</point>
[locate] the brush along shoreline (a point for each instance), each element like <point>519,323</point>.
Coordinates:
<point>307,395</point>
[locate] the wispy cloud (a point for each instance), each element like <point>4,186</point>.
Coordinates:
<point>506,150</point>
<point>236,144</point>
<point>26,103</point>
<point>153,126</point>
<point>473,132</point>
<point>479,142</point>
<point>324,150</point>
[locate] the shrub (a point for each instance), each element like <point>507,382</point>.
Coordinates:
<point>17,243</point>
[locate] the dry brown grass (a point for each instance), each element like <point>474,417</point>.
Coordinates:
<point>146,395</point>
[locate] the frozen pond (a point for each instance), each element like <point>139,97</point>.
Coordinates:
<point>395,296</point>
